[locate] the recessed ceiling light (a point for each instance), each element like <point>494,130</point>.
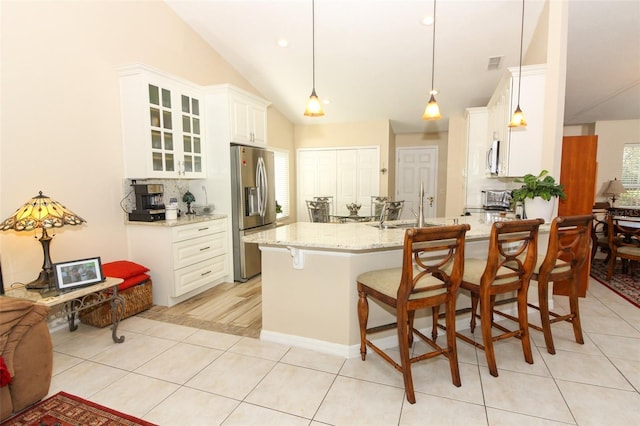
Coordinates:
<point>326,101</point>
<point>283,42</point>
<point>428,20</point>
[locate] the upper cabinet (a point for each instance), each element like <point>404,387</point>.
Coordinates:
<point>161,125</point>
<point>520,147</point>
<point>243,114</point>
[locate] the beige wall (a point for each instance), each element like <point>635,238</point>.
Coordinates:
<point>61,129</point>
<point>612,135</point>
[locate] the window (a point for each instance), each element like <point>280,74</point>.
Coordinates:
<point>281,159</point>
<point>630,175</point>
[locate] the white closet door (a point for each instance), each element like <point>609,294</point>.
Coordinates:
<point>368,177</point>
<point>316,177</point>
<point>348,175</point>
<point>346,183</point>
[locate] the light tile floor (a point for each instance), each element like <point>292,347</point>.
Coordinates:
<point>176,375</point>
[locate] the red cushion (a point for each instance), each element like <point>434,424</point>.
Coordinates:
<point>133,281</point>
<point>123,269</point>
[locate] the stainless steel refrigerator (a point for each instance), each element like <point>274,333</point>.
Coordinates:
<point>253,205</point>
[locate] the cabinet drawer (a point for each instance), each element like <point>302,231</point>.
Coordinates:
<point>195,250</point>
<point>185,232</point>
<point>198,275</point>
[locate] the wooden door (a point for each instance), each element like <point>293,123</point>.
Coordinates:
<point>578,175</point>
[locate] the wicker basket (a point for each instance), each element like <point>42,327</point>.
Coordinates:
<point>137,299</point>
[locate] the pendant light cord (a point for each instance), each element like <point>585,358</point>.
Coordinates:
<point>313,42</point>
<point>521,38</point>
<point>433,47</point>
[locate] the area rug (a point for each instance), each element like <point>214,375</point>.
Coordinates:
<point>625,284</point>
<point>63,409</point>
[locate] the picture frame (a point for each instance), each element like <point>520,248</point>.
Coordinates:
<point>78,273</point>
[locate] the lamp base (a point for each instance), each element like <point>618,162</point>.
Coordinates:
<point>43,282</point>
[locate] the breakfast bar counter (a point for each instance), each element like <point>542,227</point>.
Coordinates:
<point>309,271</point>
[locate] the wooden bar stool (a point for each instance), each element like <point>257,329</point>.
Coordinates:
<point>513,250</point>
<point>567,252</point>
<point>431,272</point>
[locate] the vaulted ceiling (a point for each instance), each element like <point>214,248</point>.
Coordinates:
<point>373,57</point>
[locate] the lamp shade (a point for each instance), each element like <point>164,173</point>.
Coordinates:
<point>614,187</point>
<point>40,212</point>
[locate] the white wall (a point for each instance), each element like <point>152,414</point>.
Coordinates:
<point>60,114</point>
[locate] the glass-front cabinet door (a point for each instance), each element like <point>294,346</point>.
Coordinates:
<point>161,118</point>
<point>191,137</point>
<point>161,129</point>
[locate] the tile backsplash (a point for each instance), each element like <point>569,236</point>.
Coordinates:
<point>173,188</point>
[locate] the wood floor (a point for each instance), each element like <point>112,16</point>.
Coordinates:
<point>234,308</point>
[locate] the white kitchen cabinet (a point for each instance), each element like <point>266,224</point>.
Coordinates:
<point>520,147</point>
<point>184,259</point>
<point>247,114</point>
<point>162,125</point>
<point>477,142</point>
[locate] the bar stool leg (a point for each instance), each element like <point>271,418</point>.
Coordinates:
<point>363,316</point>
<point>435,313</point>
<point>523,320</point>
<point>450,321</point>
<point>575,311</point>
<point>403,341</point>
<point>545,320</point>
<point>487,339</point>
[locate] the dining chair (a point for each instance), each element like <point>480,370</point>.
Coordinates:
<point>391,210</point>
<point>327,199</point>
<point>512,256</point>
<point>431,272</point>
<point>624,241</point>
<point>377,203</point>
<point>599,236</point>
<point>318,211</point>
<point>567,252</point>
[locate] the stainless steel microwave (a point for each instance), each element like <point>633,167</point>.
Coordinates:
<point>493,158</point>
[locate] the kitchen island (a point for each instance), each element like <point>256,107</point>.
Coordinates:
<point>309,271</point>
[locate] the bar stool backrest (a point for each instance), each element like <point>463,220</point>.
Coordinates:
<point>568,241</point>
<point>513,252</point>
<point>429,253</point>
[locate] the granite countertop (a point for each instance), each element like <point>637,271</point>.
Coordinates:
<point>360,236</point>
<point>182,220</point>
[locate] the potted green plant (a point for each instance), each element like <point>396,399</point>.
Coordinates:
<point>538,194</point>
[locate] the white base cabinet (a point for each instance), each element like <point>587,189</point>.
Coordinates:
<point>184,260</point>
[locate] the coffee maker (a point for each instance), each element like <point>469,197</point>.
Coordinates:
<point>149,204</point>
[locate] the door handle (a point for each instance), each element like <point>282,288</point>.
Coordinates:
<point>430,201</point>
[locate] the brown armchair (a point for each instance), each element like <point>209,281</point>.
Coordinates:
<point>25,346</point>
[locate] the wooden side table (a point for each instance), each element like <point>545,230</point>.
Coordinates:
<point>70,303</point>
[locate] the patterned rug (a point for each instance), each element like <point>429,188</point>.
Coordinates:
<point>63,409</point>
<point>626,285</point>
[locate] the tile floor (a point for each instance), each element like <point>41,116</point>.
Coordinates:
<point>177,375</point>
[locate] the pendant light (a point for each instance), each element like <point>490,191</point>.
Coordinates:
<point>432,110</point>
<point>314,107</point>
<point>517,119</point>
